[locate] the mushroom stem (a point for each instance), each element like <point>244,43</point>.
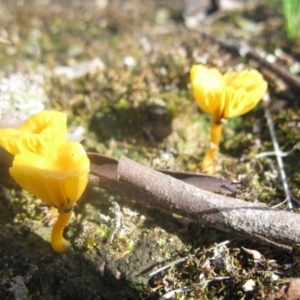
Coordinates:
<point>215,137</point>
<point>58,242</point>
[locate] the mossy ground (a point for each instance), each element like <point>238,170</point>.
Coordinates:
<point>145,111</point>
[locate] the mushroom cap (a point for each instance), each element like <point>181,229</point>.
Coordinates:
<point>229,95</point>
<point>59,177</point>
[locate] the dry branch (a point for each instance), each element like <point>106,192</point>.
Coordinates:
<point>104,171</point>
<point>243,49</point>
<point>184,193</point>
<point>253,221</point>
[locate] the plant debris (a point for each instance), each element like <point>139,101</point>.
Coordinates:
<point>127,88</point>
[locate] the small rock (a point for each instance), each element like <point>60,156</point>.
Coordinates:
<point>21,95</point>
<point>79,69</point>
<point>19,289</point>
<point>249,286</point>
<point>129,61</point>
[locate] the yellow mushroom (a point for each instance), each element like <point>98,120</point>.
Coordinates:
<point>58,242</point>
<point>48,166</point>
<point>35,133</point>
<point>224,96</point>
<point>58,178</point>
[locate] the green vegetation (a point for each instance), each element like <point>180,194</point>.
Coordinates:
<point>291,14</point>
<point>146,111</point>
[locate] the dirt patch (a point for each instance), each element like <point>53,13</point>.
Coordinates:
<point>138,102</point>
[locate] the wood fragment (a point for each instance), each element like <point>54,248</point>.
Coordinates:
<point>256,222</point>
<point>6,160</point>
<point>244,49</point>
<point>188,198</point>
<point>105,168</point>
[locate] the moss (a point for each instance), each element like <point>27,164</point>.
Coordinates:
<point>146,112</point>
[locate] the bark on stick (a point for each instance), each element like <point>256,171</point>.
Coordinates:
<point>253,221</point>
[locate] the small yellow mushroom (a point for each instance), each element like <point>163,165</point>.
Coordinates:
<point>48,166</point>
<point>224,96</point>
<point>35,133</point>
<point>58,178</point>
<point>58,242</point>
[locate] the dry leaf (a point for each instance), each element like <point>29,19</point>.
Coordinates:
<point>255,254</point>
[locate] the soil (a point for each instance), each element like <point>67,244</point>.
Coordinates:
<point>136,100</point>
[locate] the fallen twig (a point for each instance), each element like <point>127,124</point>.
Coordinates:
<point>253,221</point>
<point>245,49</point>
<point>183,259</point>
<point>280,153</point>
<point>188,198</point>
<point>279,158</point>
<point>104,170</point>
<point>185,289</point>
<point>6,160</point>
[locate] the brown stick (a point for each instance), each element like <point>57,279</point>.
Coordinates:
<point>183,193</point>
<point>253,221</point>
<point>103,173</point>
<point>244,49</point>
<point>105,168</point>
